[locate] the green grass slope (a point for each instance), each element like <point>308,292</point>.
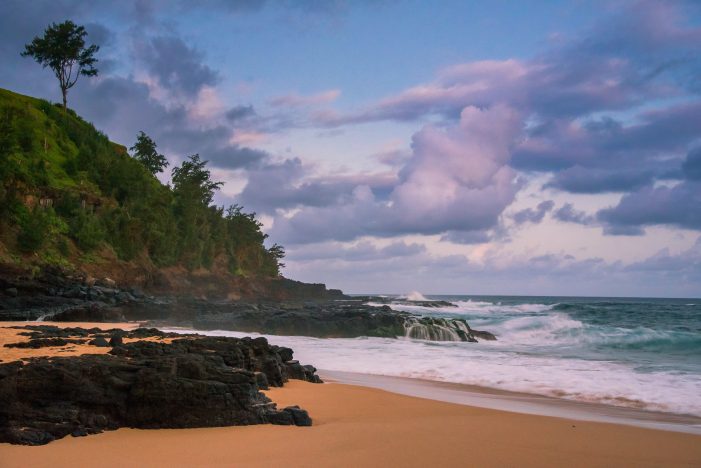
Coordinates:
<point>68,196</point>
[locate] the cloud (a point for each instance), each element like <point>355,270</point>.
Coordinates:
<point>645,50</point>
<point>687,262</point>
<point>663,274</point>
<point>325,7</point>
<point>568,214</point>
<point>229,156</point>
<point>213,144</point>
<point>533,216</point>
<point>692,165</point>
<point>297,100</point>
<point>480,86</point>
<point>289,184</point>
<point>593,152</point>
<point>362,251</point>
<point>611,110</point>
<point>236,6</point>
<point>122,107</point>
<point>457,179</point>
<point>579,179</point>
<point>239,112</point>
<point>176,66</point>
<point>676,206</point>
<point>466,238</point>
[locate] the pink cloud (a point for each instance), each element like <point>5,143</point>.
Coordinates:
<point>456,179</point>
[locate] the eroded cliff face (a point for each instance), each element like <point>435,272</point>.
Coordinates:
<point>105,294</point>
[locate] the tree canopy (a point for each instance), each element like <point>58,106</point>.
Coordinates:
<point>62,48</point>
<point>144,151</point>
<point>193,178</point>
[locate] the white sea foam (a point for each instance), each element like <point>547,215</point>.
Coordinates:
<point>472,308</point>
<point>493,364</point>
<point>569,351</point>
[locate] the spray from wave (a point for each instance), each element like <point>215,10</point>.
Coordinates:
<point>414,296</point>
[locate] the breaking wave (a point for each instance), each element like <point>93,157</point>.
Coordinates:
<point>639,353</point>
<point>414,296</point>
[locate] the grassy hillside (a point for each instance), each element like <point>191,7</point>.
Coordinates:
<point>69,196</point>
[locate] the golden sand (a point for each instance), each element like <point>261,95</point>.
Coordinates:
<point>9,335</point>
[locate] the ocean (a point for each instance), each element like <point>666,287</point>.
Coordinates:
<point>631,352</point>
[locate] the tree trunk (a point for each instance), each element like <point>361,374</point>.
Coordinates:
<point>64,91</point>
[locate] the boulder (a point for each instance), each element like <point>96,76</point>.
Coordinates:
<point>116,340</point>
<point>483,335</point>
<point>107,282</point>
<point>99,342</point>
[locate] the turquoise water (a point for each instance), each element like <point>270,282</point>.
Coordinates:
<point>649,333</point>
<point>630,351</point>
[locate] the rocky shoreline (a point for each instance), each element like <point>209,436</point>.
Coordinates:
<point>338,319</point>
<point>310,311</point>
<point>149,379</point>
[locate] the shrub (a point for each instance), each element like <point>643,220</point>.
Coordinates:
<point>34,230</point>
<point>86,230</point>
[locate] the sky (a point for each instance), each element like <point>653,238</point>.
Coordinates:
<point>454,147</point>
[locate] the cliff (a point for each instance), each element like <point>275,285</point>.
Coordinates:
<point>71,198</point>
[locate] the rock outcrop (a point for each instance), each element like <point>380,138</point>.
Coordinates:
<point>312,310</point>
<point>56,294</point>
<point>337,319</point>
<point>190,381</point>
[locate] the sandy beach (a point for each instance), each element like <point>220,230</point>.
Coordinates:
<point>8,335</point>
<point>357,426</point>
<point>360,426</point>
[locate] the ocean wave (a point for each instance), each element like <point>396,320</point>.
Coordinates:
<point>591,327</point>
<point>470,307</point>
<point>657,341</point>
<point>644,354</point>
<point>603,381</point>
<point>555,328</point>
<point>560,330</point>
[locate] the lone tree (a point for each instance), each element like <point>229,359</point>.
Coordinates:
<point>144,151</point>
<point>62,48</point>
<point>193,179</point>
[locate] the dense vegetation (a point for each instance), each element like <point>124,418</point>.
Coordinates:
<point>68,193</point>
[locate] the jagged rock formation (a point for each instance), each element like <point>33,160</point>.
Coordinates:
<point>338,319</point>
<point>440,329</point>
<point>395,300</point>
<point>193,381</point>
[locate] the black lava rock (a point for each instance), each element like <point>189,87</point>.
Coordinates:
<point>116,340</point>
<point>192,382</point>
<point>99,341</point>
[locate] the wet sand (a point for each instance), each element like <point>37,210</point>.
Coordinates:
<point>527,403</point>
